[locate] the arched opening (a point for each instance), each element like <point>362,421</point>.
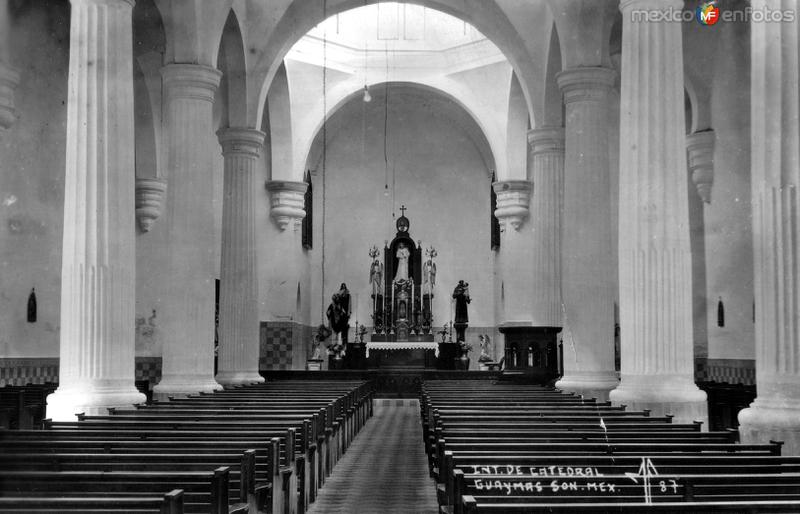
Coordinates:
<point>365,173</point>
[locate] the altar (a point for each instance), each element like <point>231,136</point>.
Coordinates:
<point>402,293</point>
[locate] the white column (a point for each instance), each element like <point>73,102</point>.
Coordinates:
<point>96,367</point>
<point>775,414</point>
<point>516,266</point>
<point>238,302</point>
<point>587,262</point>
<point>655,266</point>
<point>188,315</point>
<point>546,162</point>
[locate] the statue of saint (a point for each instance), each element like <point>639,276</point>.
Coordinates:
<point>402,263</point>
<point>376,277</point>
<point>338,313</point>
<point>461,296</point>
<point>428,276</point>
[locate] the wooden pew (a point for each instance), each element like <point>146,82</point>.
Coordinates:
<point>473,505</point>
<point>203,491</point>
<point>170,503</point>
<point>625,488</point>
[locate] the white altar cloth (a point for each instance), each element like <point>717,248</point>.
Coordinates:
<point>402,345</point>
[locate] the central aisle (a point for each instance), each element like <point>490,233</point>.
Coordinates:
<point>385,469</point>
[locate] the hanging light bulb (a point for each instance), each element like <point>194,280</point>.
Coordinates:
<point>367,97</point>
<point>386,190</point>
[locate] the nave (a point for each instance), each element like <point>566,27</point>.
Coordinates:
<point>331,446</point>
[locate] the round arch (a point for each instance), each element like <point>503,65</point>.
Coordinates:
<point>301,16</point>
<point>477,132</point>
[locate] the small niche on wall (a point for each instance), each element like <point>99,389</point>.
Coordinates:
<point>720,313</point>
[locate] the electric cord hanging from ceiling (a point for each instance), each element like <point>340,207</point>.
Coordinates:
<point>386,124</point>
<point>324,150</point>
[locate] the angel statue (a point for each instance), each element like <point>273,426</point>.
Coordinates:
<point>429,272</point>
<point>376,273</point>
<point>485,342</point>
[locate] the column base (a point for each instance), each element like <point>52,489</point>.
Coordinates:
<point>771,420</point>
<point>227,378</point>
<point>184,385</point>
<point>590,384</point>
<point>91,399</point>
<point>662,395</point>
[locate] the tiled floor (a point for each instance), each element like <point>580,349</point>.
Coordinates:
<point>385,469</point>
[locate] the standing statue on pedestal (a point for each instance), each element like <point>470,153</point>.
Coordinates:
<point>461,296</point>
<point>339,313</point>
<point>402,263</point>
<point>376,284</point>
<point>429,273</point>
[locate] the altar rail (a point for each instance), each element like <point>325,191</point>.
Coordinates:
<point>387,383</point>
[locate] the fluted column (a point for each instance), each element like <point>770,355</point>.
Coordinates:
<point>775,414</point>
<point>96,366</point>
<point>516,268</point>
<point>586,254</point>
<point>655,266</point>
<point>188,315</point>
<point>546,162</point>
<point>700,150</point>
<point>238,303</point>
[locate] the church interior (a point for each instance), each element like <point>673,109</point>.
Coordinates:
<point>379,256</point>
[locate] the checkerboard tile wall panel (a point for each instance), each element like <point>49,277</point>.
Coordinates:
<point>276,345</point>
<point>148,368</point>
<point>732,371</point>
<point>28,371</point>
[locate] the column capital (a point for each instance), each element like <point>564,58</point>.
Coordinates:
<point>288,202</point>
<point>625,6</point>
<point>9,80</point>
<point>586,84</point>
<point>513,199</point>
<point>241,141</point>
<point>150,194</point>
<point>546,140</point>
<point>700,147</point>
<point>191,81</point>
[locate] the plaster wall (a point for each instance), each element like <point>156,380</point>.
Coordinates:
<point>728,220</point>
<point>435,169</point>
<point>32,154</point>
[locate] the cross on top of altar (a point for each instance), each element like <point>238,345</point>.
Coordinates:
<point>403,210</point>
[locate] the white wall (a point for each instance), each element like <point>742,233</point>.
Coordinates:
<point>438,174</point>
<point>729,247</point>
<point>32,154</point>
